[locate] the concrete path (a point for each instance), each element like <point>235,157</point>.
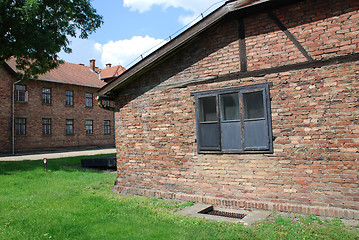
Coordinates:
<point>51,155</point>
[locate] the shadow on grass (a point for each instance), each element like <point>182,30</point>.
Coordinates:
<point>7,168</point>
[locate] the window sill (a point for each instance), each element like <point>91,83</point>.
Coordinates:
<point>235,152</point>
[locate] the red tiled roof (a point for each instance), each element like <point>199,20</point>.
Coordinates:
<point>111,71</point>
<point>68,73</point>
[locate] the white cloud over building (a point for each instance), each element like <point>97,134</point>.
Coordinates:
<point>128,51</point>
<point>194,7</point>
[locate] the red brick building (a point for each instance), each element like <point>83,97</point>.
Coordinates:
<point>254,106</point>
<point>6,80</point>
<point>57,110</point>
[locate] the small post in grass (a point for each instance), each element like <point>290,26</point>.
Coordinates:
<point>45,164</point>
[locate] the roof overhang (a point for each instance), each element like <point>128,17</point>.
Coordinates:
<point>9,68</point>
<point>243,7</point>
<point>74,84</point>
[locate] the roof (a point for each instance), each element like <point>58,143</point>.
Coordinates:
<point>110,72</point>
<point>242,6</point>
<point>68,73</point>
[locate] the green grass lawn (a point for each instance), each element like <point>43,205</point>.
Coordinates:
<point>71,203</point>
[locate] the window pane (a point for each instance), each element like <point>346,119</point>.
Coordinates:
<point>88,99</point>
<point>46,95</point>
<point>106,103</point>
<point>230,106</point>
<point>69,126</point>
<point>20,126</point>
<point>69,101</point>
<point>20,92</point>
<point>209,137</point>
<point>231,135</point>
<point>208,109</point>
<point>69,98</point>
<point>253,105</point>
<point>46,126</point>
<point>107,127</point>
<point>89,127</point>
<point>18,129</point>
<point>256,135</point>
<point>20,87</point>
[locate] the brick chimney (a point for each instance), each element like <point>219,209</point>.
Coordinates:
<point>108,65</point>
<point>93,65</point>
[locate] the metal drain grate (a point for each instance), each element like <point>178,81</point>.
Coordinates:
<point>211,211</point>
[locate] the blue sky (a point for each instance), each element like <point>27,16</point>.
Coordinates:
<point>132,27</point>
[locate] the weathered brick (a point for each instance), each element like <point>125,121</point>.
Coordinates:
<point>314,117</point>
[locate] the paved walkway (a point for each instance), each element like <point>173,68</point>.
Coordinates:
<point>51,155</point>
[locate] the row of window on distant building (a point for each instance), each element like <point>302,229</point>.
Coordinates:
<point>20,127</point>
<point>21,95</point>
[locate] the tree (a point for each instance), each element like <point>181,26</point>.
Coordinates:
<point>35,31</point>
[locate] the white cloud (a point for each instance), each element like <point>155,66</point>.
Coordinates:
<point>124,52</point>
<point>98,47</point>
<point>196,7</point>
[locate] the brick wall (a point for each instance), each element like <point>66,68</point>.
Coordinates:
<point>324,28</point>
<point>314,167</point>
<point>6,80</point>
<point>35,111</point>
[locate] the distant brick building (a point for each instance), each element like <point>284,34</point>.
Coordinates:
<point>6,81</point>
<point>254,106</point>
<point>57,110</point>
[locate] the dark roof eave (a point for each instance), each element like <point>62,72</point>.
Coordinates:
<point>7,66</point>
<point>183,38</point>
<point>75,84</point>
<point>105,78</point>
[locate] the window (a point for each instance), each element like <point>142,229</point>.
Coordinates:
<point>46,96</point>
<point>20,93</point>
<point>106,103</point>
<point>20,126</point>
<point>46,126</point>
<point>107,127</point>
<point>69,126</point>
<point>88,99</point>
<point>235,120</point>
<point>69,98</point>
<point>89,127</point>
